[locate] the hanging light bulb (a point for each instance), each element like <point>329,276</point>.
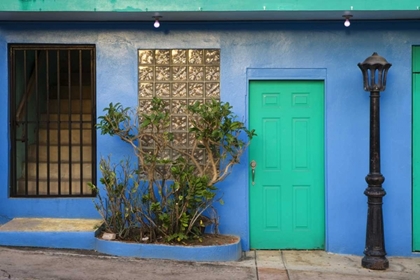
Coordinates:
<point>347,21</point>
<point>157,23</point>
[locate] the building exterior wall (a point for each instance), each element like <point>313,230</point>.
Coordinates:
<point>275,50</point>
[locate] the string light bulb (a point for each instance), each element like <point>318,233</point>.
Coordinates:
<point>157,23</point>
<point>347,21</point>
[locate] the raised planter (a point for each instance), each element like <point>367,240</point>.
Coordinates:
<point>227,252</point>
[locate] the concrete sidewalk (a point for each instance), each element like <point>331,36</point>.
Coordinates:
<point>297,265</point>
<point>46,264</point>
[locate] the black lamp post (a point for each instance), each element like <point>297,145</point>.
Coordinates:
<point>374,69</point>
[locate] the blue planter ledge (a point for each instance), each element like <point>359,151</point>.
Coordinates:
<point>217,253</point>
<point>83,234</point>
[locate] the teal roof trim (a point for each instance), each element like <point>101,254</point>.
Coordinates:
<point>204,5</point>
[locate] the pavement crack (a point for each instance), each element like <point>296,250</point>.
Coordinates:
<point>5,274</point>
<point>256,264</point>
<point>284,264</point>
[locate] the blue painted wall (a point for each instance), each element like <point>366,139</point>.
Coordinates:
<point>283,45</point>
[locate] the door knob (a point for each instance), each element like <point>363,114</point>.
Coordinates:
<point>253,164</point>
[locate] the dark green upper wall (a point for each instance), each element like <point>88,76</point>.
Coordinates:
<point>205,5</point>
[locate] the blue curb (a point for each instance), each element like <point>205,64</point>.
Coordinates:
<point>88,241</point>
<point>219,253</point>
<point>63,240</point>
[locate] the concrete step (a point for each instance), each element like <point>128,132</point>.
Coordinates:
<point>66,121</point>
<point>42,169</point>
<point>75,78</point>
<point>50,233</point>
<point>66,106</point>
<point>66,117</point>
<point>86,155</point>
<point>76,92</point>
<point>43,187</point>
<point>67,136</point>
<point>65,124</point>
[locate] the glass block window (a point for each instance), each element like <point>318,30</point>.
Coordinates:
<point>179,77</point>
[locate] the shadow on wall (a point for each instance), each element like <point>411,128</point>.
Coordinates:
<point>4,219</point>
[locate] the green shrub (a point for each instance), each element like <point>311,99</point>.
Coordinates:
<point>163,197</point>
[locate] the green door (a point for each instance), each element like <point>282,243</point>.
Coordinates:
<point>287,187</point>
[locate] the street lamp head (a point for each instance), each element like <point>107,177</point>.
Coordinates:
<point>374,70</point>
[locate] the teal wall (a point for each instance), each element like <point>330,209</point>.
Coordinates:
<point>205,5</point>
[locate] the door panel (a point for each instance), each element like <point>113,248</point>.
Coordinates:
<point>287,199</point>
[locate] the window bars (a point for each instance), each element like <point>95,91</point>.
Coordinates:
<point>52,117</point>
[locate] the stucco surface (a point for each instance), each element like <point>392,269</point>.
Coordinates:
<point>244,46</point>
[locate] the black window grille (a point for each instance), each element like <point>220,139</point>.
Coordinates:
<point>52,117</point>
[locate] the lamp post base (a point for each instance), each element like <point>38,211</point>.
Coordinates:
<point>375,262</point>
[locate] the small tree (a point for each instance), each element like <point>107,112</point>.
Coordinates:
<point>167,196</point>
